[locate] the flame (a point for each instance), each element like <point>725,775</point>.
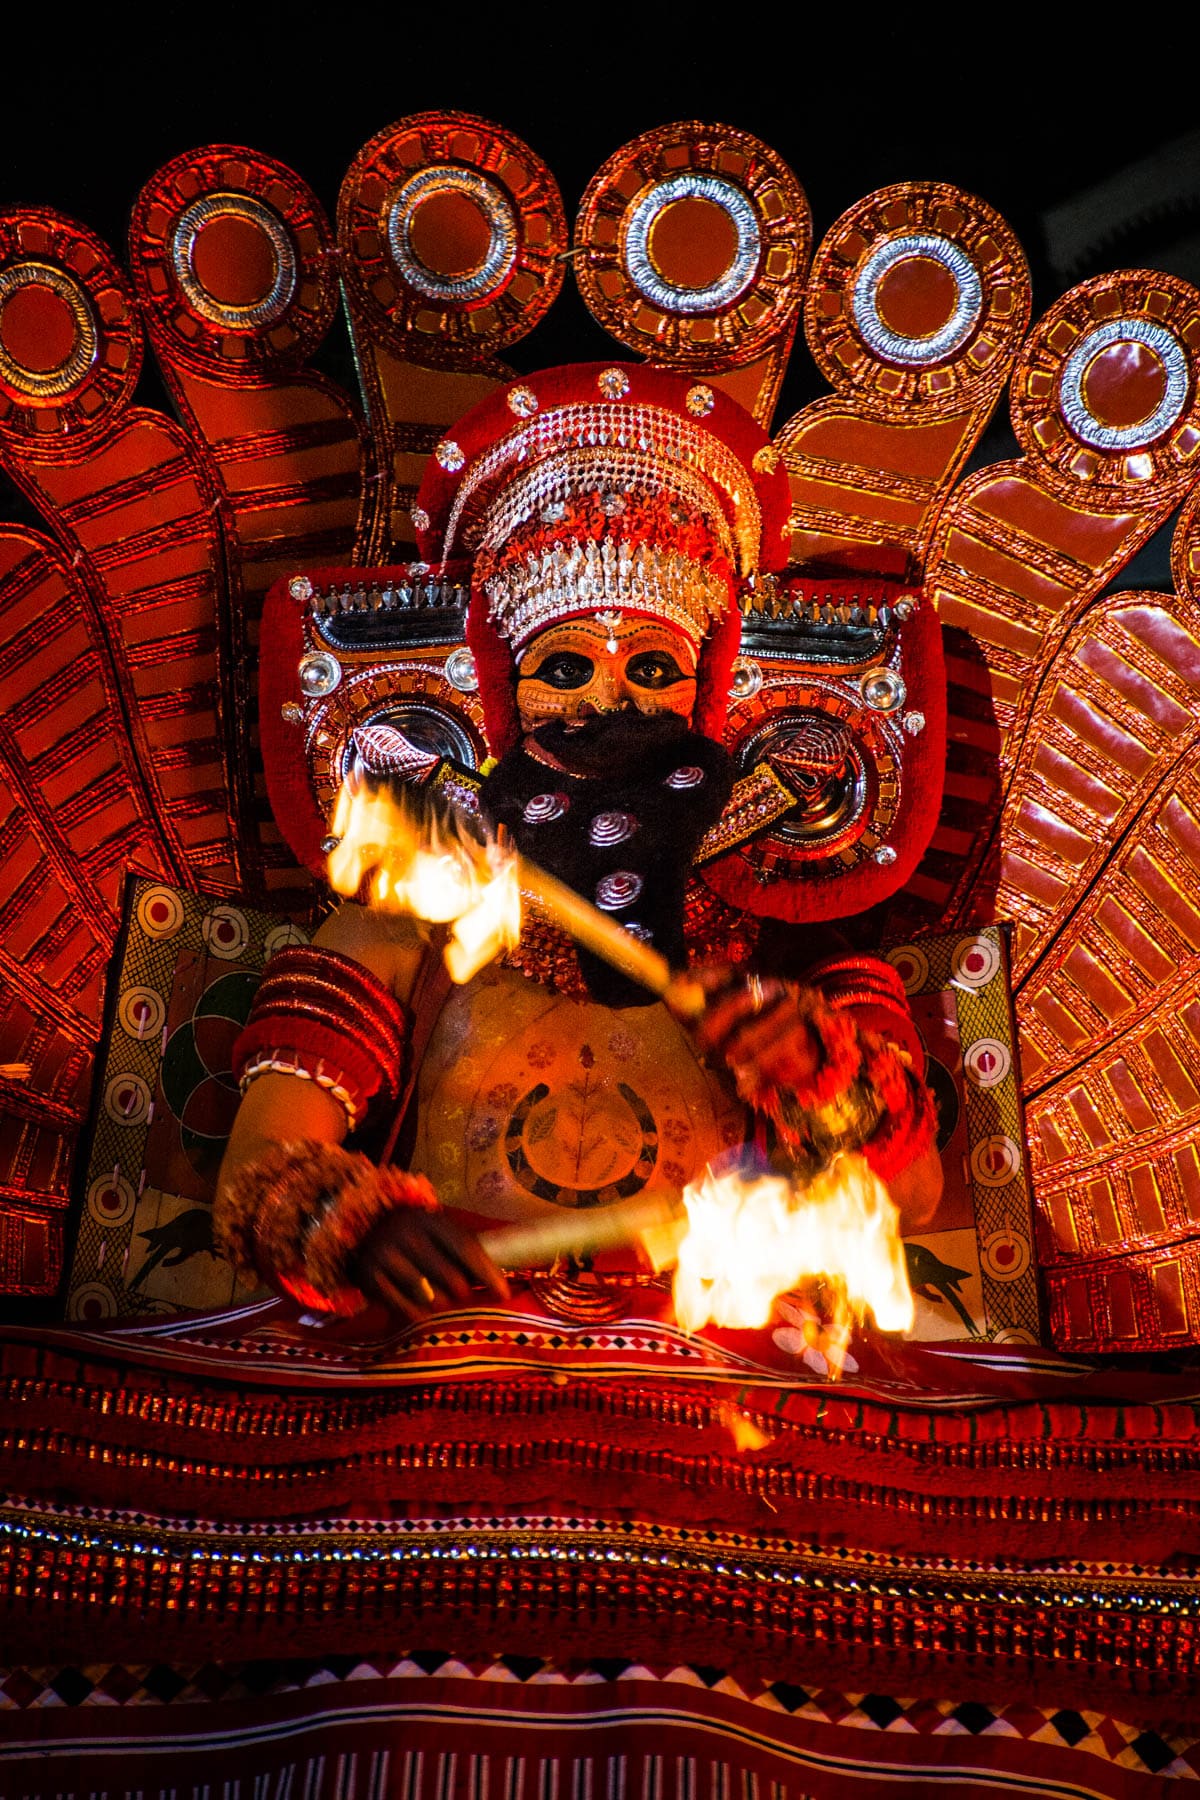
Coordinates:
<point>749,1241</point>
<point>431,869</point>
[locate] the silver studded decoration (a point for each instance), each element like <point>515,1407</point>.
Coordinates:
<point>319,674</point>
<point>913,723</point>
<point>522,401</point>
<point>611,828</point>
<point>700,400</point>
<point>883,690</point>
<point>460,672</point>
<point>553,512</point>
<point>613,383</point>
<point>746,679</point>
<point>291,714</point>
<point>686,777</point>
<point>616,891</point>
<point>542,808</point>
<point>300,588</point>
<point>449,456</point>
<point>884,854</point>
<point>642,933</point>
<point>420,518</point>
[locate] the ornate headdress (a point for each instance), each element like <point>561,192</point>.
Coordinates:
<point>590,489</point>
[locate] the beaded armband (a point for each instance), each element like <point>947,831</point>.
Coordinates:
<point>325,1018</point>
<point>297,1217</point>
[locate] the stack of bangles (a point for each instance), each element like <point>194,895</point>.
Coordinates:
<point>325,1018</point>
<point>865,1094</point>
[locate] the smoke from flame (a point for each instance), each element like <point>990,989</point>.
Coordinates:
<point>749,1241</point>
<point>429,868</point>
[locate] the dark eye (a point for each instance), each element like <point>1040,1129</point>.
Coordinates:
<point>564,669</point>
<point>654,669</point>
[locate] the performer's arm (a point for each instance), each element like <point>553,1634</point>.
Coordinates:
<point>323,1052</point>
<point>835,1062</point>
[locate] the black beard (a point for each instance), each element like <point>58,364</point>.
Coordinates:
<point>618,763</point>
<point>616,744</point>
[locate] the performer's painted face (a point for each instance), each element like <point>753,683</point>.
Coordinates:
<point>590,666</point>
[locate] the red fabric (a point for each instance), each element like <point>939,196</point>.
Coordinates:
<point>449,1728</point>
<point>714,672</point>
<point>496,672</point>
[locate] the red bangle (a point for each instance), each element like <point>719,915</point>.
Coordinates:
<point>872,989</point>
<point>906,1133</point>
<point>323,1017</point>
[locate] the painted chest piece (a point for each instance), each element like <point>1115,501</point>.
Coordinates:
<point>529,1101</point>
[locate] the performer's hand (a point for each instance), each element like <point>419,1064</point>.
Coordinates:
<point>413,1262</point>
<point>756,1026</point>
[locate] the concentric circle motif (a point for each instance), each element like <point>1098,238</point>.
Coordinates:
<point>919,295</point>
<point>686,777</point>
<point>541,809</point>
<point>141,1013</point>
<point>494,266</point>
<point>911,965</point>
<point>608,828</point>
<point>127,1099</point>
<point>1105,392</point>
<point>1006,1254</point>
<point>679,296</point>
<point>692,244</point>
<point>995,1161</point>
<point>987,1062</point>
<point>618,890</point>
<point>111,1202</point>
<point>233,260</point>
<point>91,1302</point>
<point>1172,373</point>
<point>70,344</point>
<point>974,962</point>
<point>917,348</point>
<point>23,367</point>
<point>273,301</point>
<point>160,912</point>
<point>451,230</point>
<point>226,932</point>
<point>282,937</point>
